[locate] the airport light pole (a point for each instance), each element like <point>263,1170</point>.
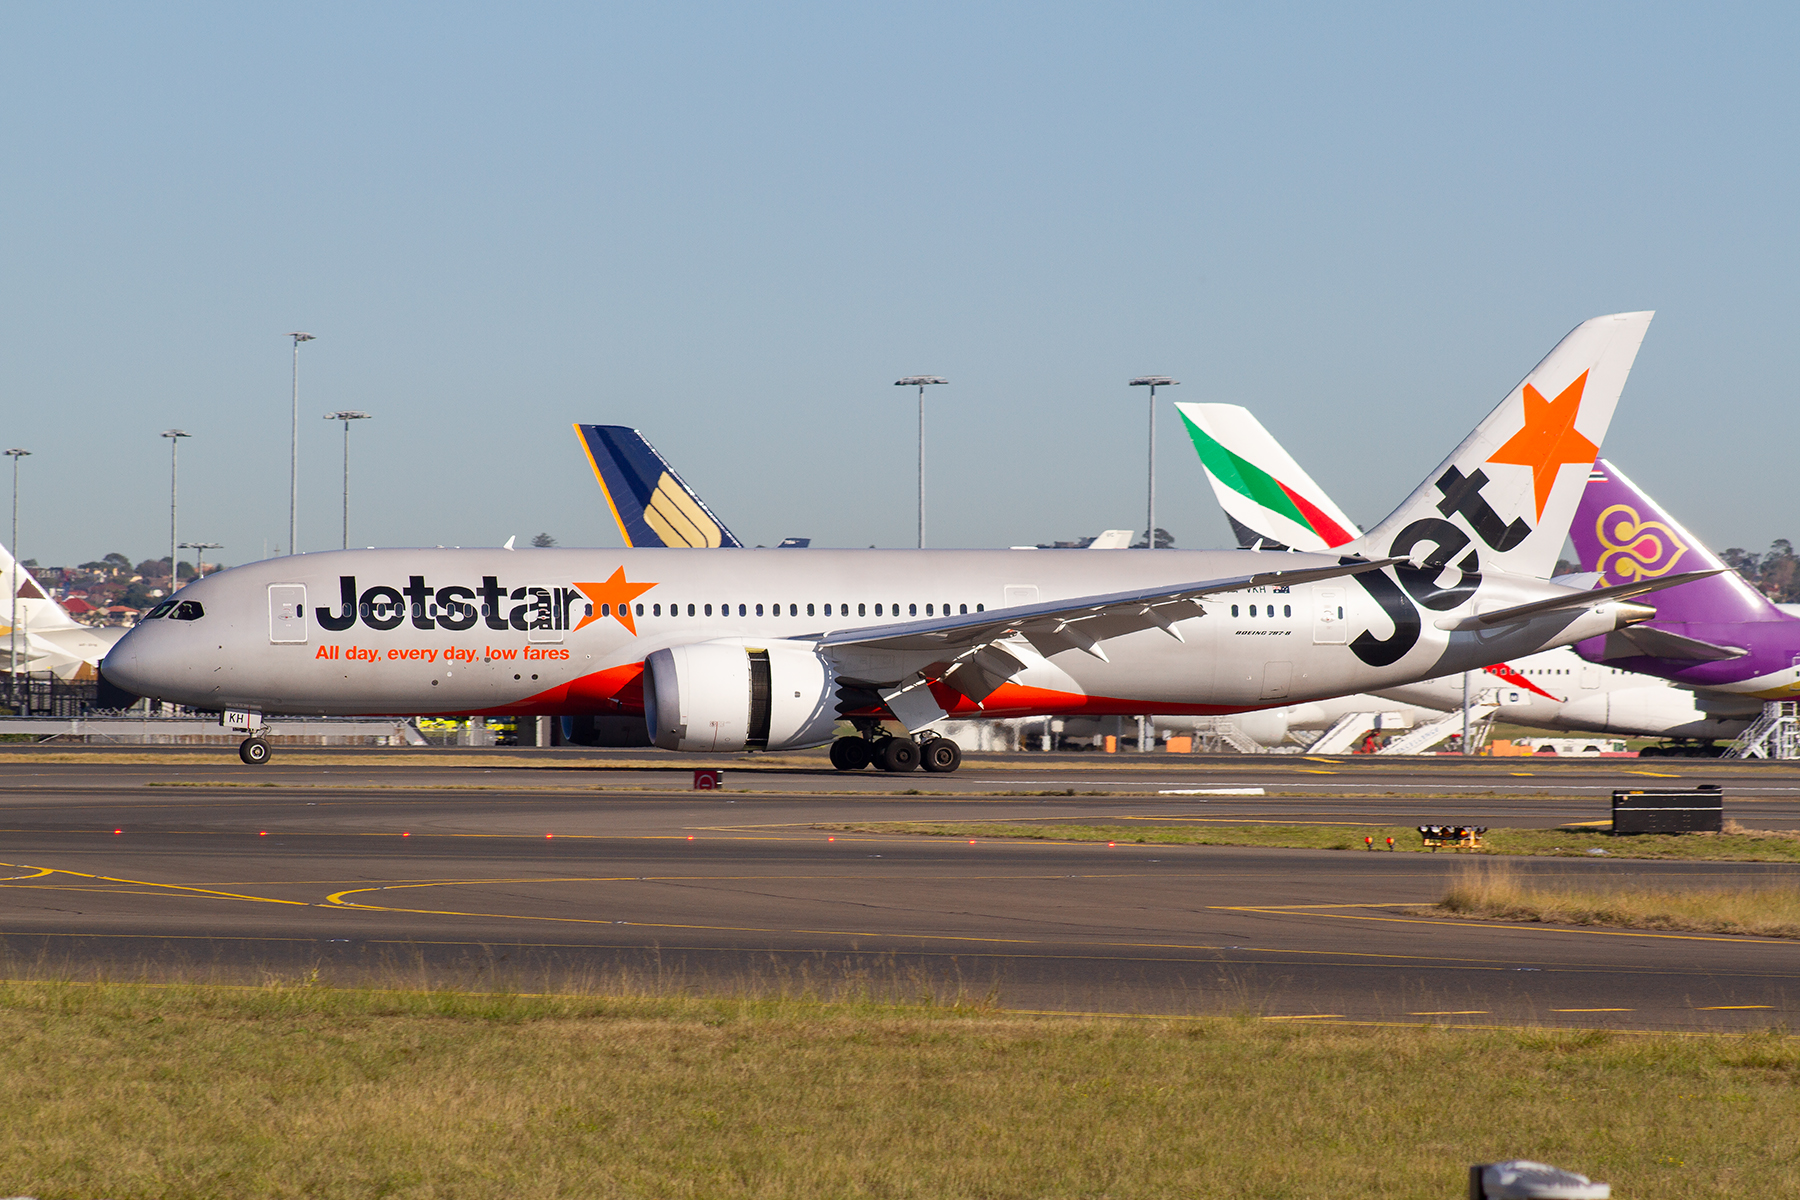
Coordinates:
<point>1152,382</point>
<point>294,451</point>
<point>346,416</point>
<point>921,382</point>
<point>174,436</point>
<point>202,547</point>
<point>12,629</point>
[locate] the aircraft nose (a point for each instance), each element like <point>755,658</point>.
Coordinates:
<point>125,665</point>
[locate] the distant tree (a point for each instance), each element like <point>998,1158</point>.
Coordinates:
<point>1164,540</point>
<point>95,566</point>
<point>543,541</point>
<point>154,566</point>
<point>30,564</point>
<point>118,560</point>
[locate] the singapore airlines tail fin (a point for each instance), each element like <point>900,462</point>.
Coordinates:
<point>1267,498</point>
<point>1517,478</point>
<point>649,500</point>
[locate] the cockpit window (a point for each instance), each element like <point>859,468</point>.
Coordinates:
<point>187,610</point>
<point>161,610</point>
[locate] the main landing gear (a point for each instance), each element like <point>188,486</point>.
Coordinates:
<point>938,755</point>
<point>254,751</point>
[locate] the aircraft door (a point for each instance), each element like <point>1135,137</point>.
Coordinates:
<point>1277,676</point>
<point>1328,616</point>
<point>287,613</point>
<point>542,611</point>
<point>1590,676</point>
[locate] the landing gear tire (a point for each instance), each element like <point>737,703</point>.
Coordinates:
<point>897,754</point>
<point>850,753</point>
<point>254,751</point>
<point>940,756</point>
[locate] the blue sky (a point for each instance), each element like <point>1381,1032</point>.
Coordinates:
<point>735,226</point>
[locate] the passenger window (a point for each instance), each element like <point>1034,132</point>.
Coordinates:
<point>878,610</point>
<point>1287,610</point>
<point>862,610</point>
<point>1340,612</point>
<point>793,610</point>
<point>640,610</point>
<point>709,610</point>
<point>809,611</point>
<point>981,608</point>
<point>656,609</point>
<point>1234,611</point>
<point>928,610</point>
<point>1253,610</point>
<point>912,610</point>
<point>963,608</point>
<point>828,610</point>
<point>742,612</point>
<point>759,611</point>
<point>606,610</point>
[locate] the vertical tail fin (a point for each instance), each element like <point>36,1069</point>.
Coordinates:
<point>649,500</point>
<point>1624,536</point>
<point>36,609</point>
<point>1517,478</point>
<point>1263,491</point>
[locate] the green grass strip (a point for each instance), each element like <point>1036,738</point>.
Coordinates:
<point>1746,846</point>
<point>120,1090</point>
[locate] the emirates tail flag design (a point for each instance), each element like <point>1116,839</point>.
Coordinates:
<point>1262,489</point>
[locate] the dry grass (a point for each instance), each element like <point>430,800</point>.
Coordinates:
<point>1736,845</point>
<point>123,1090</point>
<point>1767,908</point>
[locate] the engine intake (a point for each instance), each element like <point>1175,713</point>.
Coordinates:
<point>709,697</point>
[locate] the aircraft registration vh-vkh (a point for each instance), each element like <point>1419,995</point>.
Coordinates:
<point>766,649</point>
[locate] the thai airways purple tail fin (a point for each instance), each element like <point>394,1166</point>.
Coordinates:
<point>1624,536</point>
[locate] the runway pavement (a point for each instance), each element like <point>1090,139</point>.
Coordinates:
<point>563,868</point>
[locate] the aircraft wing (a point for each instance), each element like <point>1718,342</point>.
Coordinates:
<point>969,659</point>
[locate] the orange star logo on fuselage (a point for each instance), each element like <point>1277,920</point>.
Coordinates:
<point>1549,439</point>
<point>616,593</point>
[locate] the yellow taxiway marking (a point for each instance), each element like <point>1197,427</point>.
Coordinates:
<point>1315,771</point>
<point>1654,774</point>
<point>1523,773</point>
<point>1593,1010</point>
<point>150,883</point>
<point>1729,1007</point>
<point>1307,1017</point>
<point>1452,1012</point>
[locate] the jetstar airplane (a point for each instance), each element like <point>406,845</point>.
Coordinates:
<point>770,650</point>
<point>1273,504</point>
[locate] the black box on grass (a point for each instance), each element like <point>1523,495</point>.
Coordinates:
<point>1669,810</point>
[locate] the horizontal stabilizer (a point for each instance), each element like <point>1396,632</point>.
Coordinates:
<point>1640,640</point>
<point>1573,602</point>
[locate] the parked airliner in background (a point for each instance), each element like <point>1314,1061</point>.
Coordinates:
<point>770,650</point>
<point>49,639</point>
<point>1274,504</point>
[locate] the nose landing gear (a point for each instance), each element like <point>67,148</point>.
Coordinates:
<point>254,751</point>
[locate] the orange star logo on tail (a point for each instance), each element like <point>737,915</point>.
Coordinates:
<point>1549,439</point>
<point>616,593</point>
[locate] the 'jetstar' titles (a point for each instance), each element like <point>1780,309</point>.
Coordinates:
<point>531,608</point>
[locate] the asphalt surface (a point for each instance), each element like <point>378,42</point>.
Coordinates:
<point>555,869</point>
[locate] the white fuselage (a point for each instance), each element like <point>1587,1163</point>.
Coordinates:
<point>473,631</point>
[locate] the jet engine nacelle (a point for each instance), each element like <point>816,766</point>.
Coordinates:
<point>726,696</point>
